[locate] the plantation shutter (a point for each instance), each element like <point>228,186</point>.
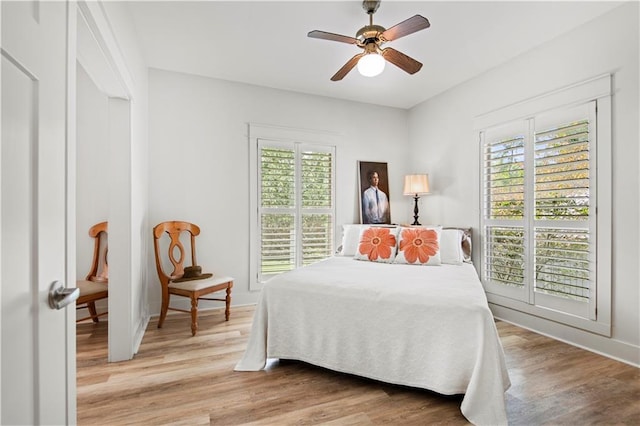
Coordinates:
<point>504,210</point>
<point>296,193</point>
<point>317,205</point>
<point>538,220</point>
<point>564,219</point>
<point>277,205</point>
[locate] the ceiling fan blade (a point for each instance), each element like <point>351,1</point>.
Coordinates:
<point>409,26</point>
<point>401,60</point>
<point>331,36</point>
<point>347,67</point>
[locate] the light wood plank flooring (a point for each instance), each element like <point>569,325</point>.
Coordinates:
<point>179,379</point>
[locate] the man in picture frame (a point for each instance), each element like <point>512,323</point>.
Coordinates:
<point>375,203</point>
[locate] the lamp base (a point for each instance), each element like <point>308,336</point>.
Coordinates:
<point>415,211</point>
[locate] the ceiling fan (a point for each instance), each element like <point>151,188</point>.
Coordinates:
<point>370,38</point>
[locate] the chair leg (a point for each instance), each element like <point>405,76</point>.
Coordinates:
<point>194,315</point>
<point>91,306</point>
<point>163,309</point>
<point>227,310</point>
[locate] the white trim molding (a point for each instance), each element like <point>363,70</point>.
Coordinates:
<point>596,89</point>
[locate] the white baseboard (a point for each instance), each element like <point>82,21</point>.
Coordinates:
<point>609,347</point>
<point>139,333</point>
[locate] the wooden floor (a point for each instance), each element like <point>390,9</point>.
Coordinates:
<point>179,379</point>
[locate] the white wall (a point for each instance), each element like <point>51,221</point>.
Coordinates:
<point>138,220</point>
<point>443,144</point>
<point>199,160</point>
<point>92,198</point>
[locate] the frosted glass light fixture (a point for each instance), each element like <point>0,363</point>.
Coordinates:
<point>416,185</point>
<point>371,64</point>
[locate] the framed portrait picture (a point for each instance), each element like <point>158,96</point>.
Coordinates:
<point>374,192</point>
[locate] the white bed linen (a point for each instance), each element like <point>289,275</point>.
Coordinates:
<point>423,326</point>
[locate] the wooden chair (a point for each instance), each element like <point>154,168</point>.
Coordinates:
<point>175,283</point>
<point>95,285</point>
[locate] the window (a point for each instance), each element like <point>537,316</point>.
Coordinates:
<point>294,205</point>
<point>542,216</point>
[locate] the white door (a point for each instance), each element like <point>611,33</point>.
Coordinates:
<point>37,342</point>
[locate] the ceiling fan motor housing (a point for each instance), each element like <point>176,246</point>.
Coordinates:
<point>369,34</point>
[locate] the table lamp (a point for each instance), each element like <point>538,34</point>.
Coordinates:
<point>416,185</point>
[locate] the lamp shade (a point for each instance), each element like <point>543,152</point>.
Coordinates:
<point>416,184</point>
<point>371,65</point>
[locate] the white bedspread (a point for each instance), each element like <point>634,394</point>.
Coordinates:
<point>422,326</point>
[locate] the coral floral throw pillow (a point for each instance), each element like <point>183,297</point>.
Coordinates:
<point>419,246</point>
<point>377,244</point>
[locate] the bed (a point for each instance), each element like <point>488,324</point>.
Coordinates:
<point>422,326</point>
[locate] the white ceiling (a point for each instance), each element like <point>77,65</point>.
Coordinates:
<point>265,42</point>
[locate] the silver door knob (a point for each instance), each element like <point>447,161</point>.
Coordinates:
<point>59,296</point>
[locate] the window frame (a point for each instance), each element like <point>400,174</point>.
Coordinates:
<point>287,138</point>
<point>598,90</point>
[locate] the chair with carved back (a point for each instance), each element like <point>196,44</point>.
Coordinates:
<point>185,281</point>
<point>95,285</point>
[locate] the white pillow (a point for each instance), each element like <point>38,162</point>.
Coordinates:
<point>451,246</point>
<point>427,252</point>
<point>350,239</point>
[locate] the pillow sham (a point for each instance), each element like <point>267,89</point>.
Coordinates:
<point>377,244</point>
<point>451,246</point>
<point>464,243</point>
<point>419,246</point>
<point>350,239</point>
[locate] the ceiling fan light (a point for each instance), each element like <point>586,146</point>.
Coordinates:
<point>371,65</point>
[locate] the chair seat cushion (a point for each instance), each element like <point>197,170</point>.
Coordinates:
<point>194,285</point>
<point>90,287</point>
